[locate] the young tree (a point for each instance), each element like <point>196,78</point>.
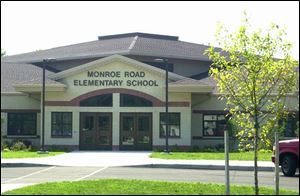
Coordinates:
<point>255,84</point>
<point>2,52</point>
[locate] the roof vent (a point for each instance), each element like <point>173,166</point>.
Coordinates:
<point>146,35</point>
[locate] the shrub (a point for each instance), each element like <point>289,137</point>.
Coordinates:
<point>19,146</point>
<point>4,145</point>
<point>265,151</point>
<point>6,150</point>
<point>27,143</point>
<point>209,149</point>
<point>175,148</point>
<point>220,147</point>
<point>195,148</point>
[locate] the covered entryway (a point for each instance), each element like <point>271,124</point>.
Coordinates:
<point>95,131</point>
<point>136,131</point>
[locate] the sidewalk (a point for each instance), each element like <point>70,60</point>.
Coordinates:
<point>131,159</point>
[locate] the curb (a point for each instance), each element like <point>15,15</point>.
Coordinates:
<point>208,167</point>
<point>23,165</point>
<point>167,166</point>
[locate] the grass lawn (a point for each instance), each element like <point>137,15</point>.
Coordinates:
<point>137,187</point>
<point>29,154</point>
<point>246,156</point>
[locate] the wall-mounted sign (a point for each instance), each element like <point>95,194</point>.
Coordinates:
<point>113,78</point>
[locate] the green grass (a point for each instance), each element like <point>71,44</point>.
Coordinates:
<point>29,154</point>
<point>246,156</point>
<point>137,187</point>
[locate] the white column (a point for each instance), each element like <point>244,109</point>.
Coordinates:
<point>116,120</point>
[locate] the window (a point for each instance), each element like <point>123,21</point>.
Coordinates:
<point>290,125</point>
<point>21,124</point>
<point>174,125</point>
<point>100,101</point>
<point>214,125</point>
<point>134,101</point>
<point>61,124</point>
<point>161,65</point>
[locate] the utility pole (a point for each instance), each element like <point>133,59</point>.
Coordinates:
<point>226,146</point>
<point>276,163</point>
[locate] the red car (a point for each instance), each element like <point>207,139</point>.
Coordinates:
<point>288,156</point>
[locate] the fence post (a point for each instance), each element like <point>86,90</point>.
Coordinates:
<point>276,163</point>
<point>226,146</point>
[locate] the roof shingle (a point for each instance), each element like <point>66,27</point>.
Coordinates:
<point>18,73</point>
<point>124,44</point>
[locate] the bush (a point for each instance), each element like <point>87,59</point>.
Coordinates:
<point>195,148</point>
<point>175,148</point>
<point>27,143</point>
<point>220,147</point>
<point>209,149</point>
<point>6,150</point>
<point>4,145</point>
<point>19,146</point>
<point>264,151</point>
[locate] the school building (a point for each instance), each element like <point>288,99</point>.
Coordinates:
<point>109,94</point>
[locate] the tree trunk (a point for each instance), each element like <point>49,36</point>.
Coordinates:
<point>256,127</point>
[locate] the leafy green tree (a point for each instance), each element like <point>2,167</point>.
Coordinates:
<point>2,52</point>
<point>255,84</point>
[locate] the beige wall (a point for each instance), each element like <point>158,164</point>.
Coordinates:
<point>211,102</point>
<point>116,110</point>
<point>207,102</point>
<point>4,123</point>
<point>74,91</point>
<point>197,124</point>
<point>19,101</point>
<point>157,91</point>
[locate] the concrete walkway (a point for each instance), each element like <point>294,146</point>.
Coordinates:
<point>137,159</point>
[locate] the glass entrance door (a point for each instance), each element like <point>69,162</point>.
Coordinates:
<point>136,131</point>
<point>95,131</point>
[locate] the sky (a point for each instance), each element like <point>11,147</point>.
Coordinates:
<point>30,26</point>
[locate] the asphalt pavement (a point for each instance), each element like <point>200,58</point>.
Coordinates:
<point>81,165</point>
<point>15,177</point>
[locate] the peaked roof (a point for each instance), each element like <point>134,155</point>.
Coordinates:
<point>123,44</point>
<point>108,59</point>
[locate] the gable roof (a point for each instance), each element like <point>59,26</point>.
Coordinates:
<point>123,44</point>
<point>22,74</point>
<point>112,58</point>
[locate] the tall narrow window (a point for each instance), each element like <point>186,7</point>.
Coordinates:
<point>61,124</point>
<point>21,124</point>
<point>100,101</point>
<point>134,101</point>
<point>174,125</point>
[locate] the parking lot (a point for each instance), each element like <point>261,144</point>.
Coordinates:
<point>22,176</point>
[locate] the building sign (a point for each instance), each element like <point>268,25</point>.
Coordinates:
<point>114,78</point>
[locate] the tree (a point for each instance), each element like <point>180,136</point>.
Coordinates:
<point>2,52</point>
<point>254,83</point>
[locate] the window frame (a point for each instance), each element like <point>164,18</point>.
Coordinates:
<point>62,125</point>
<point>8,132</point>
<point>82,102</point>
<point>179,124</point>
<point>217,123</point>
<point>134,96</point>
